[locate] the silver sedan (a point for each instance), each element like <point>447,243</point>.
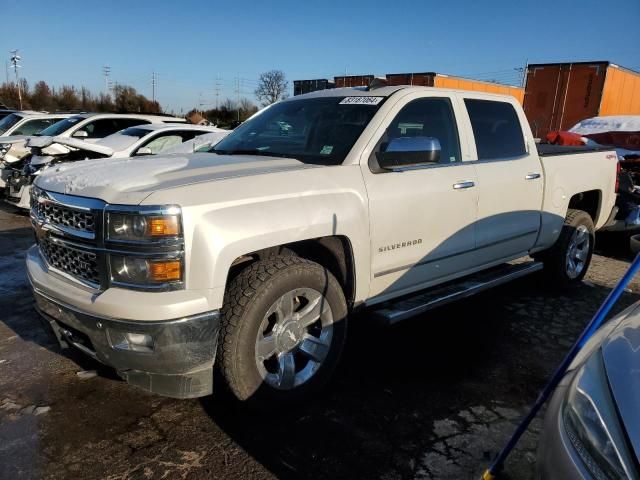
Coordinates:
<point>592,426</point>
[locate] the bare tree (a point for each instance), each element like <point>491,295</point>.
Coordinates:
<point>272,87</point>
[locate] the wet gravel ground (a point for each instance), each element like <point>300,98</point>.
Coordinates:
<point>433,398</point>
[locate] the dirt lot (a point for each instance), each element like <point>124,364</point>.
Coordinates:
<point>434,397</point>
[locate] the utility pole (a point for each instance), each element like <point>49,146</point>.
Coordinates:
<point>106,71</point>
<point>6,68</point>
<point>153,86</point>
<point>15,62</point>
<point>238,96</point>
<point>216,89</point>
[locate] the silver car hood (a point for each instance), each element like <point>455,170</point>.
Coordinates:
<point>131,180</point>
<point>14,139</point>
<point>621,353</point>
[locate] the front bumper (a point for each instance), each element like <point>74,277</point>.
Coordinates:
<point>18,194</point>
<point>180,364</point>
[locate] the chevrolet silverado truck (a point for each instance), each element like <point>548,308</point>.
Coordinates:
<point>252,256</point>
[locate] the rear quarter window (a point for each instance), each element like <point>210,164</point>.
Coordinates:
<point>496,129</point>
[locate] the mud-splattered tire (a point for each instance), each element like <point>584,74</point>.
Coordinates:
<point>567,262</point>
<point>284,325</point>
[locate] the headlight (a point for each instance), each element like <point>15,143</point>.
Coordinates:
<point>4,148</point>
<point>152,257</point>
<point>144,227</point>
<point>592,424</point>
<point>140,271</point>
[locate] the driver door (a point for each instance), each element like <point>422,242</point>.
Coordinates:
<point>422,218</point>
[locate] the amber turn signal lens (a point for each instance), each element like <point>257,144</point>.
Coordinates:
<point>164,226</point>
<point>165,271</point>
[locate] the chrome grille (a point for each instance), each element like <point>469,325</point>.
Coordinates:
<point>76,262</point>
<point>63,216</point>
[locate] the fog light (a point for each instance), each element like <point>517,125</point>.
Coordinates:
<point>134,342</point>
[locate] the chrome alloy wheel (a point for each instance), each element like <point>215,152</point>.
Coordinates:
<point>294,338</point>
<point>577,252</point>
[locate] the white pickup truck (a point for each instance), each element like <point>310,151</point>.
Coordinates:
<point>254,254</point>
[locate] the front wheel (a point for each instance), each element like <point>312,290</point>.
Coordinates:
<point>567,262</point>
<point>283,330</point>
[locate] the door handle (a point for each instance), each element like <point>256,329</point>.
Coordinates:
<point>532,176</point>
<point>461,185</point>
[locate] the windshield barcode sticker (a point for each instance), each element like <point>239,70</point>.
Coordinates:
<point>361,100</point>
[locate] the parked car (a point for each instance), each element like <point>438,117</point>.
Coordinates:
<point>201,143</point>
<point>4,111</point>
<point>28,123</point>
<point>140,140</point>
<point>592,425</point>
<point>15,129</point>
<point>89,127</point>
<point>253,255</point>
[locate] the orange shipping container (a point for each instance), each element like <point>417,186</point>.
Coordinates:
<point>440,80</point>
<point>446,81</point>
<point>353,81</point>
<point>559,95</point>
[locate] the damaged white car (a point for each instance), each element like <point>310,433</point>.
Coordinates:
<point>134,141</point>
<point>15,130</point>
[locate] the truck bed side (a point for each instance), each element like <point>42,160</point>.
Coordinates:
<point>570,172</point>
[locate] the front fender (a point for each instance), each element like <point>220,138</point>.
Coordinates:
<point>271,210</point>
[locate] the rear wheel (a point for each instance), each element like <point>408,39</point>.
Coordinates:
<point>567,262</point>
<point>283,330</point>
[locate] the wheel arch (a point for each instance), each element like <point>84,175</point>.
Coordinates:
<point>589,201</point>
<point>334,252</point>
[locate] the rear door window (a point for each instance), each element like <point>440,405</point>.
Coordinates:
<point>496,129</point>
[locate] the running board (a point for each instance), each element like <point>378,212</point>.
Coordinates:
<point>395,311</point>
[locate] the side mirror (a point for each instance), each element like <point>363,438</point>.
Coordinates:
<point>409,151</point>
<point>144,151</point>
<point>80,134</point>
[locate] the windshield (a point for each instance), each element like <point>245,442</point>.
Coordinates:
<point>315,130</point>
<point>136,132</point>
<point>9,121</point>
<point>60,127</point>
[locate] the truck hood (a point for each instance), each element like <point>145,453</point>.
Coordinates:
<point>621,354</point>
<point>130,180</point>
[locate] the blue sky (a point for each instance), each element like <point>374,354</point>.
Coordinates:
<point>190,43</point>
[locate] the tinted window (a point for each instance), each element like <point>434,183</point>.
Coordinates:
<point>106,126</point>
<point>130,122</point>
<point>496,129</point>
<point>61,126</point>
<point>428,117</point>
<point>135,132</point>
<point>31,127</point>
<point>9,121</point>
